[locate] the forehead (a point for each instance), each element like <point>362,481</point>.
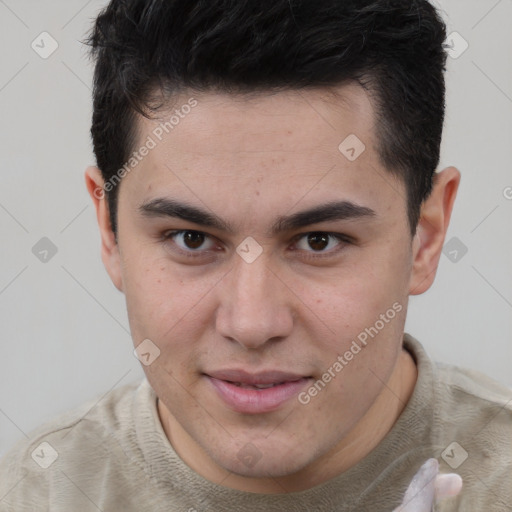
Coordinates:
<point>264,121</point>
<point>291,142</point>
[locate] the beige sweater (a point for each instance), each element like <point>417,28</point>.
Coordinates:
<point>116,457</point>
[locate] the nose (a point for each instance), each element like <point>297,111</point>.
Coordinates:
<point>255,307</point>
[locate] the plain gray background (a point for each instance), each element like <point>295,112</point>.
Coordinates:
<point>65,336</point>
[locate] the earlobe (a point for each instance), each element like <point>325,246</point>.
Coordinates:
<point>431,231</point>
<point>109,247</point>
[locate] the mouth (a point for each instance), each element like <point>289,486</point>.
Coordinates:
<point>255,393</point>
<point>256,386</point>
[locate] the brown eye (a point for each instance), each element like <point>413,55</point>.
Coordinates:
<point>190,241</point>
<point>318,241</point>
<point>193,239</point>
<point>321,243</point>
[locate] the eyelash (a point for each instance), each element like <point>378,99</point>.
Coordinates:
<point>343,239</point>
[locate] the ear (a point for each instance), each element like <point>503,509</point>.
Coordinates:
<point>431,231</point>
<point>109,247</point>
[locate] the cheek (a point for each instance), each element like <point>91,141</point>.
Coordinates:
<point>380,280</point>
<point>167,306</point>
<point>154,301</point>
<point>365,310</point>
<point>165,310</point>
<point>357,302</point>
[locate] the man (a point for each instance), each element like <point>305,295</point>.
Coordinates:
<point>267,201</point>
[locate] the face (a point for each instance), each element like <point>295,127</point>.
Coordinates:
<point>269,269</point>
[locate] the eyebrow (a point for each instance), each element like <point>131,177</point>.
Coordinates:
<point>336,210</point>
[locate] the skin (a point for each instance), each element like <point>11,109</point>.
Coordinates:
<point>250,160</point>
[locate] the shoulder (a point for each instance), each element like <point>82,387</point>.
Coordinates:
<point>459,390</point>
<point>471,433</point>
<point>473,394</point>
<point>79,438</point>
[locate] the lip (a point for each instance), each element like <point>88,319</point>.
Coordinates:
<point>255,401</point>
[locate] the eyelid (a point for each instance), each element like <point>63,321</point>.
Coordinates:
<point>340,237</point>
<point>168,236</point>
